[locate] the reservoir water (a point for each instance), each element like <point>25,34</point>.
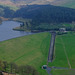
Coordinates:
<point>7,32</point>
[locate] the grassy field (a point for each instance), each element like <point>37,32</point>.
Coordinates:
<point>69,3</point>
<point>64,55</point>
<point>63,72</point>
<point>10,6</point>
<point>27,50</point>
<point>66,3</point>
<point>64,51</point>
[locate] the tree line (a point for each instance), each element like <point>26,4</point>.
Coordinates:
<point>13,68</point>
<point>47,14</point>
<point>6,12</point>
<point>42,13</point>
<point>47,17</point>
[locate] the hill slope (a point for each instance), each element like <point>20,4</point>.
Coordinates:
<point>66,3</point>
<point>25,2</point>
<point>27,50</point>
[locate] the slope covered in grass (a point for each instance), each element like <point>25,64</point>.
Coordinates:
<point>27,50</point>
<point>63,72</point>
<point>69,3</point>
<point>64,51</point>
<point>64,3</point>
<point>69,43</point>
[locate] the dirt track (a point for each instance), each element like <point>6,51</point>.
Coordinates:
<point>51,49</point>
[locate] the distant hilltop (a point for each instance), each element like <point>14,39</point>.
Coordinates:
<point>30,2</point>
<point>25,2</point>
<point>66,3</point>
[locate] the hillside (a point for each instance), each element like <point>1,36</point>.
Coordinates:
<point>46,16</point>
<point>42,16</point>
<point>66,3</point>
<point>64,54</point>
<point>27,50</point>
<point>24,2</point>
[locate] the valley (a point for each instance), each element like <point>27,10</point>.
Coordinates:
<point>37,37</point>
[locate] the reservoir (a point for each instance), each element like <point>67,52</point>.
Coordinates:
<point>7,32</point>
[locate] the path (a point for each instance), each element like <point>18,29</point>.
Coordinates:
<point>51,52</point>
<point>48,70</point>
<point>51,49</point>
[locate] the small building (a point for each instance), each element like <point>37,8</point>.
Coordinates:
<point>62,30</point>
<point>44,67</point>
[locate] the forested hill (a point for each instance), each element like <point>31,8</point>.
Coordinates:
<point>41,13</point>
<point>46,13</point>
<point>6,12</point>
<point>64,3</point>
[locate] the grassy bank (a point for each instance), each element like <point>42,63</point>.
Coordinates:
<point>23,27</point>
<point>70,4</point>
<point>64,43</point>
<point>27,25</point>
<point>27,50</point>
<point>64,55</point>
<point>63,72</point>
<point>10,6</point>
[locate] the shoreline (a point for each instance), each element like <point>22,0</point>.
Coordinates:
<point>21,20</point>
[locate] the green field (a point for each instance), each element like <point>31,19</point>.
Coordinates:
<point>11,7</point>
<point>64,55</point>
<point>69,3</point>
<point>33,50</point>
<point>66,3</point>
<point>64,51</point>
<point>63,72</point>
<point>27,50</point>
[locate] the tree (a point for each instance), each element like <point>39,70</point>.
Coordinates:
<point>27,70</point>
<point>0,20</point>
<point>13,67</point>
<point>1,12</point>
<point>1,66</point>
<point>5,65</point>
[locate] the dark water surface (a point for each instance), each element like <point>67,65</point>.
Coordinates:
<point>7,32</point>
